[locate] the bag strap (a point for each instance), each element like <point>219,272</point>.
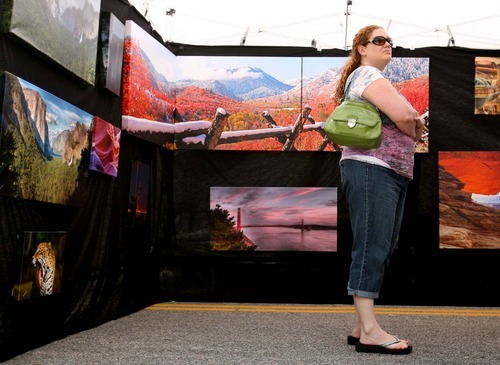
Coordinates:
<point>346,89</point>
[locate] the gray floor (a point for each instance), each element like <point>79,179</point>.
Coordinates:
<point>225,333</point>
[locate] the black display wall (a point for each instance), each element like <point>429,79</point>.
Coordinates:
<point>112,268</point>
<point>420,273</point>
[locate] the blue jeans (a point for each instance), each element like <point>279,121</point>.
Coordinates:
<point>376,197</point>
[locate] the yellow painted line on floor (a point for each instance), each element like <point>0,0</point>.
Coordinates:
<point>338,309</point>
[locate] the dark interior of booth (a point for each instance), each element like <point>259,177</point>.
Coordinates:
<point>113,268</point>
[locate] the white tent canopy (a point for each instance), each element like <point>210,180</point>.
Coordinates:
<point>324,24</point>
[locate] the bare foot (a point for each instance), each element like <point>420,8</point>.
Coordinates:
<point>380,337</point>
<point>356,328</point>
<point>356,331</point>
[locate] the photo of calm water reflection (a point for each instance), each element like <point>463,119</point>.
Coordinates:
<point>292,239</point>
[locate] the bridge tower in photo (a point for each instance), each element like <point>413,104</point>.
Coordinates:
<point>238,220</point>
<point>138,201</point>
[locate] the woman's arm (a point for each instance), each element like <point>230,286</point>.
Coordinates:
<point>419,125</point>
<point>385,97</point>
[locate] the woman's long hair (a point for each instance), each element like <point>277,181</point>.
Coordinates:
<point>354,59</point>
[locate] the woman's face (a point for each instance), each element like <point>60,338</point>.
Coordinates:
<point>378,51</point>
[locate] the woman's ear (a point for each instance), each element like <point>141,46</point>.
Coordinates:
<point>361,50</point>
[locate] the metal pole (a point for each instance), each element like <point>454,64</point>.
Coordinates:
<point>349,3</point>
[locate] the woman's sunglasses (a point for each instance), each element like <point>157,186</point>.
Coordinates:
<point>380,41</point>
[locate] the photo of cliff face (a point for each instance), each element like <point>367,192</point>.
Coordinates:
<point>44,145</point>
<point>469,200</point>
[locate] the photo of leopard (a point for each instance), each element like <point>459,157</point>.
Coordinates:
<point>40,262</point>
<point>44,261</point>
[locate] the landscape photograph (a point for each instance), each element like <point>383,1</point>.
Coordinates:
<point>112,39</point>
<point>148,96</point>
<point>64,31</point>
<point>138,192</point>
<point>261,95</point>
<point>273,219</point>
<point>487,85</point>
<point>240,102</point>
<point>44,145</point>
<point>274,103</point>
<point>469,200</point>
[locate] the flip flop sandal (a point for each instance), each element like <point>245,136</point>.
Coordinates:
<point>383,349</point>
<point>352,340</point>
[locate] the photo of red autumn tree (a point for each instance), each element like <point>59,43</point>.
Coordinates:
<point>258,96</point>
<point>148,96</point>
<point>243,103</point>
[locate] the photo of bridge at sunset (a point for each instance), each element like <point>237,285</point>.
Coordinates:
<point>273,219</point>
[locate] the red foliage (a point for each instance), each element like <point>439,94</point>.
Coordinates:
<point>416,92</point>
<point>141,98</point>
<point>195,103</point>
<point>145,98</point>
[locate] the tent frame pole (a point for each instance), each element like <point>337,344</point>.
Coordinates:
<point>349,3</point>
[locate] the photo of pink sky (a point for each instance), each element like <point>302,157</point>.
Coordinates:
<point>278,205</point>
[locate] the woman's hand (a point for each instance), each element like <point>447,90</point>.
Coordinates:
<point>419,125</point>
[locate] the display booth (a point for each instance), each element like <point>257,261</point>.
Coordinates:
<point>134,171</point>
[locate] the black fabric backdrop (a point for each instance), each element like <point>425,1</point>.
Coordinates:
<point>112,268</point>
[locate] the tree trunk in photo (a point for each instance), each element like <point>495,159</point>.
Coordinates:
<point>297,128</point>
<point>215,131</point>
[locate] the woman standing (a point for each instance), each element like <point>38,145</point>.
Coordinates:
<point>375,183</point>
